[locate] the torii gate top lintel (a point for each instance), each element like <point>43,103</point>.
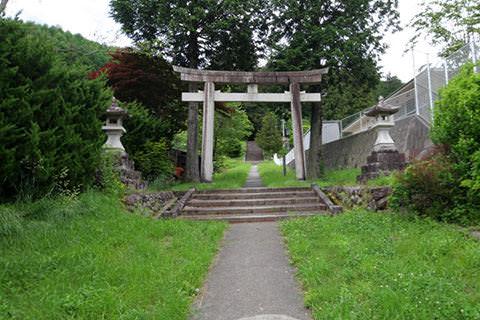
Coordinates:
<point>195,75</point>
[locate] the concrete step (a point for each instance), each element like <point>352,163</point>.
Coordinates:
<point>308,207</point>
<point>253,190</point>
<point>249,202</point>
<point>252,217</point>
<point>254,195</point>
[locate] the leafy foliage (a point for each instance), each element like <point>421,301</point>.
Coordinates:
<point>150,81</point>
<point>446,185</point>
<point>197,33</point>
<point>230,131</point>
<point>388,85</point>
<point>73,49</point>
<point>153,161</point>
<point>49,115</point>
<point>269,137</point>
<point>346,36</point>
<point>449,23</point>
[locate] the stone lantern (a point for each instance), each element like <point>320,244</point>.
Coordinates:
<point>113,127</point>
<point>383,114</point>
<point>384,158</point>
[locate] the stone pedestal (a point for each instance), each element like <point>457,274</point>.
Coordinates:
<point>128,175</point>
<point>381,162</point>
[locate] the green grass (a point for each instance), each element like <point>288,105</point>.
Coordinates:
<point>88,259</point>
<point>233,176</point>
<point>364,265</point>
<point>272,176</point>
<point>382,181</point>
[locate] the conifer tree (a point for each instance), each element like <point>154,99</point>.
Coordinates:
<point>49,116</point>
<point>269,137</point>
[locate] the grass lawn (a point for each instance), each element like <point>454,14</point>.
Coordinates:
<point>233,176</point>
<point>272,176</point>
<point>364,265</point>
<point>87,259</point>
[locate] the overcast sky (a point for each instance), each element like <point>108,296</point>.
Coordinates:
<point>91,18</point>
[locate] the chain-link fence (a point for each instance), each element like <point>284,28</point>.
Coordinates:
<point>419,94</point>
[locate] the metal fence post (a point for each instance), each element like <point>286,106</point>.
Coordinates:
<point>445,66</point>
<point>429,84</point>
<point>474,54</point>
<point>417,109</point>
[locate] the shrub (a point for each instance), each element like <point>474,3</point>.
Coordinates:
<point>49,116</point>
<point>457,125</point>
<point>153,161</point>
<point>445,186</point>
<point>431,188</point>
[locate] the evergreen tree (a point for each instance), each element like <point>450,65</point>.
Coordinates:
<point>49,116</point>
<point>269,137</point>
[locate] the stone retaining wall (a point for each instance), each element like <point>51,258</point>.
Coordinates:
<point>411,136</point>
<point>370,198</point>
<point>150,203</point>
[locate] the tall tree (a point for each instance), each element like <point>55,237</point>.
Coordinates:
<point>196,34</point>
<point>346,36</point>
<point>388,85</point>
<point>448,23</point>
<point>269,137</point>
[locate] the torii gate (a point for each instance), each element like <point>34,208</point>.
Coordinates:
<point>208,96</point>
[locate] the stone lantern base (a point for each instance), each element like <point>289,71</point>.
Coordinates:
<point>125,169</point>
<point>380,163</point>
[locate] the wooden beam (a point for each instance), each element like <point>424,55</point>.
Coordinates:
<point>250,97</point>
<point>297,128</point>
<point>208,127</point>
<point>195,75</point>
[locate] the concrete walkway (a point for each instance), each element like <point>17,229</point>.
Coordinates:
<point>253,179</point>
<point>251,278</point>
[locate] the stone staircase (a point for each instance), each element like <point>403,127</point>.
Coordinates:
<point>253,204</point>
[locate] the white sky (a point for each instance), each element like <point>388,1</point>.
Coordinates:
<point>91,18</point>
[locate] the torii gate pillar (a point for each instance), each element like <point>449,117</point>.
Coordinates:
<point>297,128</point>
<point>209,96</point>
<point>206,174</point>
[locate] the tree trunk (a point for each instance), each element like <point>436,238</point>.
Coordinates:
<point>3,5</point>
<point>192,172</point>
<point>315,154</point>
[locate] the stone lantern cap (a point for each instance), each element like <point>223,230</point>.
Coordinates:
<point>115,110</point>
<point>381,108</point>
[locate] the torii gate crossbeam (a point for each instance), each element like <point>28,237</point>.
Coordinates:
<point>209,96</point>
